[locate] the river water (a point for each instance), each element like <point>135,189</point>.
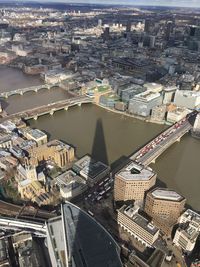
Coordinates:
<point>108,136</point>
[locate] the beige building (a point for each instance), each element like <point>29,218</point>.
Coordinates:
<point>164,206</point>
<point>137,225</point>
<point>132,181</point>
<point>55,150</point>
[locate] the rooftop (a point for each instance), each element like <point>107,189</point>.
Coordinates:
<point>134,171</point>
<point>133,213</point>
<point>166,194</point>
<point>36,133</point>
<point>146,96</point>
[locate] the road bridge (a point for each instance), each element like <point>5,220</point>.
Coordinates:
<point>22,91</point>
<point>34,113</point>
<point>151,151</point>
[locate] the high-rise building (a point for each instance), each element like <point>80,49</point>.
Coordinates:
<point>147,25</point>
<point>165,207</point>
<point>168,31</point>
<point>75,239</point>
<point>106,33</point>
<point>130,220</point>
<point>100,23</point>
<point>132,181</point>
<point>128,26</point>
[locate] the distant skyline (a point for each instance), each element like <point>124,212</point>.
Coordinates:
<point>177,3</point>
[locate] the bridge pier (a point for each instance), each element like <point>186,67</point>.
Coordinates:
<point>36,90</point>
<point>21,92</point>
<point>66,108</point>
<point>6,96</point>
<point>79,104</point>
<point>179,139</point>
<point>35,117</point>
<point>51,112</point>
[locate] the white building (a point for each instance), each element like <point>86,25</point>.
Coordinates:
<point>188,99</point>
<point>169,94</point>
<point>143,103</point>
<point>137,226</point>
<point>177,114</point>
<point>187,233</point>
<point>196,126</point>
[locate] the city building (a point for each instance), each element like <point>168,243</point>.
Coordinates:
<point>188,231</point>
<point>91,170</point>
<point>196,126</point>
<point>169,93</point>
<point>70,184</point>
<point>176,114</point>
<point>143,103</point>
<point>35,134</point>
<point>132,181</point>
<point>62,154</point>
<point>143,230</point>
<point>75,238</point>
<point>187,99</point>
<point>158,113</point>
<point>164,206</point>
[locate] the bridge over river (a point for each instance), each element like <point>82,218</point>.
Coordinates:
<point>151,151</point>
<point>34,113</point>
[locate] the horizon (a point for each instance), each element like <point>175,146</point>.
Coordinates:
<point>158,3</point>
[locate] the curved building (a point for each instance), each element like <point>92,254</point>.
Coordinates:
<point>75,239</point>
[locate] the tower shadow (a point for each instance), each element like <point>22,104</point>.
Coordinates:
<point>99,150</point>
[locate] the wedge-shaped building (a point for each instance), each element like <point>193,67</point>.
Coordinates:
<point>75,239</point>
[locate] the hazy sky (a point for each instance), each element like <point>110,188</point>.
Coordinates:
<point>185,3</point>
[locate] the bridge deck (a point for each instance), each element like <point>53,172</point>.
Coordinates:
<point>158,145</point>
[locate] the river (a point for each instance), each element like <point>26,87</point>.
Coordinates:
<point>108,136</point>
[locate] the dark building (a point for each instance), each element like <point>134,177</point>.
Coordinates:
<point>168,31</point>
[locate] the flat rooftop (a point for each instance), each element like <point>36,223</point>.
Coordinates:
<point>166,195</point>
<point>146,96</point>
<point>132,213</point>
<point>36,133</point>
<point>134,171</point>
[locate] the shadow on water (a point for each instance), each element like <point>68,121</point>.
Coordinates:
<point>4,103</point>
<point>99,150</point>
<point>91,246</point>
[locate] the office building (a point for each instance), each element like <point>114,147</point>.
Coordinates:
<point>147,25</point>
<point>158,113</point>
<point>196,127</point>
<point>188,231</point>
<point>132,181</point>
<point>128,26</point>
<point>168,30</point>
<point>75,238</point>
<point>70,184</point>
<point>187,99</point>
<point>62,154</point>
<point>35,134</point>
<point>177,114</point>
<point>91,170</point>
<point>169,93</point>
<point>164,207</point>
<point>106,33</point>
<point>143,103</point>
<point>130,220</point>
